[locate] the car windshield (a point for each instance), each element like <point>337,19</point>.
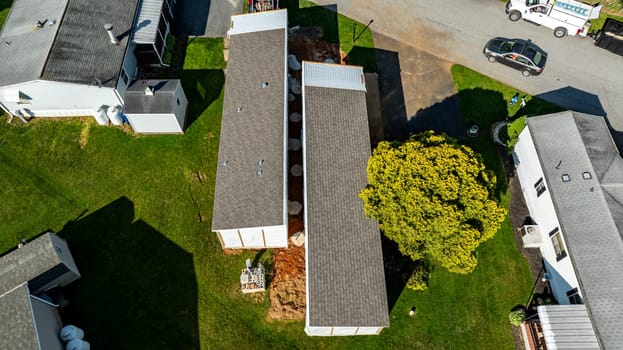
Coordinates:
<point>511,46</point>
<point>534,55</point>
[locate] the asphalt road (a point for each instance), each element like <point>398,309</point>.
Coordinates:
<point>578,75</point>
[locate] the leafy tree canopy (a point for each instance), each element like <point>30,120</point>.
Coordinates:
<point>433,197</point>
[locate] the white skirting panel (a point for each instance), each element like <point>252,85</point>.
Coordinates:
<point>255,237</point>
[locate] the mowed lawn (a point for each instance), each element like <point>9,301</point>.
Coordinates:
<point>136,211</point>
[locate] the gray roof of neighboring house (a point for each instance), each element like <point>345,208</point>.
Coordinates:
<point>17,328</point>
<point>146,27</point>
<point>567,327</point>
<point>257,132</point>
<point>31,260</point>
<point>345,276</point>
<point>75,49</point>
<point>24,48</point>
<point>162,100</point>
<point>590,211</point>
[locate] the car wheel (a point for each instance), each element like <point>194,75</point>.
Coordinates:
<point>491,59</point>
<point>560,32</point>
<point>514,15</point>
<point>526,73</point>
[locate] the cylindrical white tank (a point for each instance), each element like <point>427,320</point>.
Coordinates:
<point>100,116</point>
<point>70,332</point>
<point>78,344</point>
<point>115,115</point>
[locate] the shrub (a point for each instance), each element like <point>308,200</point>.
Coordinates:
<point>516,317</point>
<point>419,279</point>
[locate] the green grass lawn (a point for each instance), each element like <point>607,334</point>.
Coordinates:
<point>136,212</point>
<point>5,5</point>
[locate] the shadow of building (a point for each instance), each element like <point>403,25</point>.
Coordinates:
<point>138,289</point>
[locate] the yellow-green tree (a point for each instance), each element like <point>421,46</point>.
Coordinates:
<point>433,197</point>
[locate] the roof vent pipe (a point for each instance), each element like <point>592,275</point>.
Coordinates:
<point>113,37</point>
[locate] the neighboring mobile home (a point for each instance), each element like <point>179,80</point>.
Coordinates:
<point>77,57</point>
<point>29,319</point>
<point>346,292</point>
<point>571,175</point>
<point>250,199</point>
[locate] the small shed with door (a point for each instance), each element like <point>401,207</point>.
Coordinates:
<point>156,106</point>
<point>250,198</point>
<point>345,288</point>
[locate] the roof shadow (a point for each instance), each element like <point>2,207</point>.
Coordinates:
<point>138,289</point>
<point>575,100</point>
<point>398,269</point>
<point>191,17</point>
<point>202,87</point>
<point>441,117</point>
<point>324,17</point>
<point>391,116</point>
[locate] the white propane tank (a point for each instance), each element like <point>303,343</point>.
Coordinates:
<point>115,115</point>
<point>78,344</point>
<point>100,116</point>
<point>70,332</point>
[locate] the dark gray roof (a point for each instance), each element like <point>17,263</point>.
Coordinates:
<point>25,263</point>
<point>242,198</point>
<point>162,101</point>
<point>75,49</point>
<point>17,328</point>
<point>82,52</point>
<point>346,281</point>
<point>589,211</point>
<point>25,54</point>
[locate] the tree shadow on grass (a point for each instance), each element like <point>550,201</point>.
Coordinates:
<point>202,87</point>
<point>138,289</point>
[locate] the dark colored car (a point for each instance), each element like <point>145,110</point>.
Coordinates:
<point>520,54</point>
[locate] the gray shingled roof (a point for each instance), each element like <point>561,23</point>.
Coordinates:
<point>162,101</point>
<point>25,263</point>
<point>82,52</point>
<point>346,281</point>
<point>75,49</point>
<point>243,199</point>
<point>23,47</point>
<point>589,211</point>
<point>17,328</point>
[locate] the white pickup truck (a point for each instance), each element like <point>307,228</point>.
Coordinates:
<point>563,16</point>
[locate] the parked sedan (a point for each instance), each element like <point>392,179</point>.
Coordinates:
<point>520,54</point>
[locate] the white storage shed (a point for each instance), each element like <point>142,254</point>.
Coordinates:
<point>156,106</point>
<point>346,292</point>
<point>250,199</point>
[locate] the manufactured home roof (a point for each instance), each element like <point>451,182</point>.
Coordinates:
<point>18,327</point>
<point>346,281</point>
<point>76,48</point>
<point>146,27</point>
<point>590,211</point>
<point>31,260</point>
<point>567,327</point>
<point>24,47</point>
<point>163,99</point>
<point>253,132</point>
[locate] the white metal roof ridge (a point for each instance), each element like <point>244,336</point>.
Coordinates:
<point>258,22</point>
<point>335,76</point>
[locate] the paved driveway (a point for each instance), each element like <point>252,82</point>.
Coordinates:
<point>578,75</point>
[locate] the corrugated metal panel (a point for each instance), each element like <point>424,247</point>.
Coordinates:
<point>258,22</point>
<point>567,327</point>
<point>334,76</point>
<point>146,27</point>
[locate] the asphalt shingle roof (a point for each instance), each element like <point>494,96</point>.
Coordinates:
<point>589,210</point>
<point>345,276</point>
<point>76,48</point>
<point>17,328</point>
<point>253,129</point>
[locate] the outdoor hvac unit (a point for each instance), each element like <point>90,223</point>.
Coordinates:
<point>253,279</point>
<point>531,236</point>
